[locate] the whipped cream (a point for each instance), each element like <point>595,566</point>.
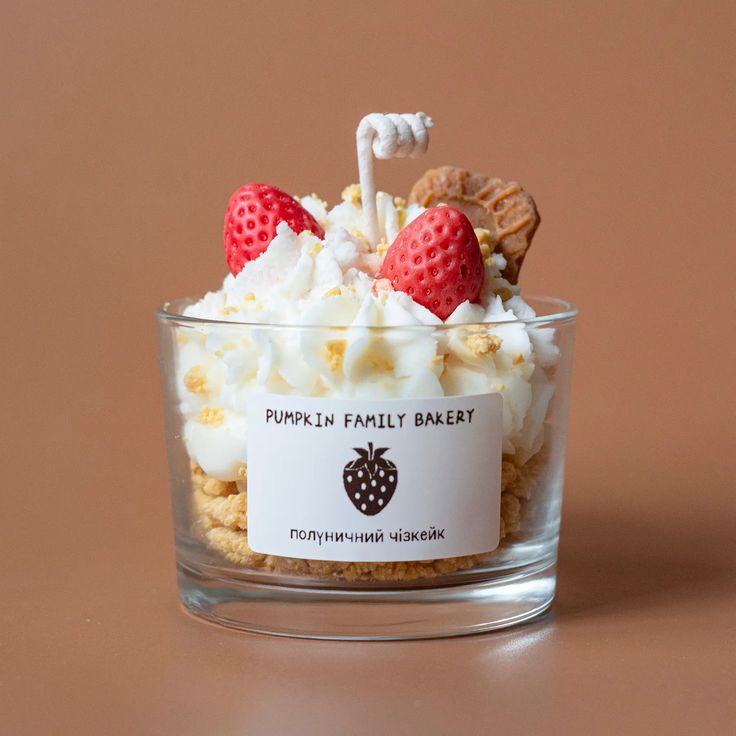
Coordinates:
<point>327,291</point>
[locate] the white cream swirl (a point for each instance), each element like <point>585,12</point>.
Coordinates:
<point>326,288</point>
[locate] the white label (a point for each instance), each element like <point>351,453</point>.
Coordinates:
<point>374,481</point>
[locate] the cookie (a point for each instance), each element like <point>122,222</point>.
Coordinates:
<point>504,208</point>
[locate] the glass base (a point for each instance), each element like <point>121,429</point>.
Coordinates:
<point>352,614</point>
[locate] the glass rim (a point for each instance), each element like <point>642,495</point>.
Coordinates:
<point>564,312</point>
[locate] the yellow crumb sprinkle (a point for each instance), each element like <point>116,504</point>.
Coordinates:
<point>195,380</point>
<point>487,245</point>
<point>333,292</point>
<point>504,293</point>
<point>230,310</point>
<point>249,297</point>
<point>315,249</point>
<point>381,364</point>
<point>400,204</point>
<point>438,360</point>
<point>518,359</point>
<point>351,194</point>
<point>381,248</point>
<point>211,416</point>
<point>483,344</point>
<point>335,352</point>
<point>485,237</point>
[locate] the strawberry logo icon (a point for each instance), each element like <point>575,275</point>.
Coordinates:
<point>370,480</point>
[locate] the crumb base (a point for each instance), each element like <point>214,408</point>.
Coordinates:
<point>220,514</point>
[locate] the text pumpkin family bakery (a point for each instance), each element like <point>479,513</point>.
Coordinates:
<point>390,420</point>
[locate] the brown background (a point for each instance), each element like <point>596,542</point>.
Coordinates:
<point>126,126</point>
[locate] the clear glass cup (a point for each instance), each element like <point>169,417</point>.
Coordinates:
<point>206,364</point>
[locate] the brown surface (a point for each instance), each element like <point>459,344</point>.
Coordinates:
<point>126,128</point>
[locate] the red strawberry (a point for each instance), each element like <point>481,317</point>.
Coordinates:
<point>436,260</point>
<point>252,215</point>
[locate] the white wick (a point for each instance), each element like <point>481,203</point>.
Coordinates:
<point>386,136</point>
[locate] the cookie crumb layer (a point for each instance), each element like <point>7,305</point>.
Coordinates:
<point>220,511</point>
